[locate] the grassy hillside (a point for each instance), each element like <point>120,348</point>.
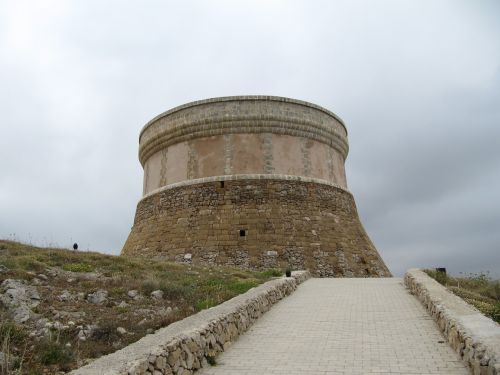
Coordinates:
<point>92,304</point>
<point>476,289</point>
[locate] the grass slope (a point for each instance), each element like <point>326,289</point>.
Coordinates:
<point>476,289</point>
<point>50,341</point>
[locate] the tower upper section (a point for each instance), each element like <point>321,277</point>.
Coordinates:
<point>243,135</point>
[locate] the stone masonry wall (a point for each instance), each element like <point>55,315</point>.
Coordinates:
<point>187,345</point>
<point>256,222</point>
<point>472,335</point>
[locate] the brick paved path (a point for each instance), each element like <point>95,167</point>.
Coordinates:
<point>342,326</point>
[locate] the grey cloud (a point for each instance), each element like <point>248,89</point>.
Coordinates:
<point>417,84</point>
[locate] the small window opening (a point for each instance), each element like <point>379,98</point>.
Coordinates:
<point>243,232</point>
<point>222,184</point>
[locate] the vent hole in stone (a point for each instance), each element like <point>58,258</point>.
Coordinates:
<point>222,184</point>
<point>243,233</point>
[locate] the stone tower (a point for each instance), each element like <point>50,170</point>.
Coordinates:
<point>250,181</point>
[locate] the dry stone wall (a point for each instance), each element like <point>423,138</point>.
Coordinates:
<point>187,345</point>
<point>256,222</point>
<point>472,335</point>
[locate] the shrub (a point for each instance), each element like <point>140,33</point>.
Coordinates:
<point>78,267</point>
<point>440,277</point>
<point>272,272</point>
<point>52,353</point>
<point>205,304</point>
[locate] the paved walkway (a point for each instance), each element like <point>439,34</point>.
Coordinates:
<point>342,326</point>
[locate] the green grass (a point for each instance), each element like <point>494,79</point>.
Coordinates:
<point>77,267</point>
<point>478,290</point>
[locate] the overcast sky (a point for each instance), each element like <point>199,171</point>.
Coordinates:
<point>416,82</point>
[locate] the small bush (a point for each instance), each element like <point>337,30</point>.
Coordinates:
<point>205,304</point>
<point>52,353</point>
<point>78,267</point>
<point>211,360</point>
<point>172,291</point>
<point>106,332</point>
<point>148,286</point>
<point>440,277</point>
<point>240,287</point>
<point>272,272</point>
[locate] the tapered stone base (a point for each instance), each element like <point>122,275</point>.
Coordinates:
<point>256,222</point>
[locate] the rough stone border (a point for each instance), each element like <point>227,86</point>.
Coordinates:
<point>185,346</point>
<point>472,335</point>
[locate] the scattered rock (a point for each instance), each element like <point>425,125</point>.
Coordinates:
<point>98,297</point>
<point>121,330</point>
<point>42,276</point>
<point>65,296</point>
<point>134,294</point>
<point>86,332</point>
<point>123,304</point>
<point>3,269</point>
<point>81,335</point>
<point>164,311</point>
<point>147,312</point>
<point>19,299</point>
<point>157,294</point>
<point>52,272</point>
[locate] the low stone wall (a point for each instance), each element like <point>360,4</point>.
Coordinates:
<point>473,336</point>
<point>186,345</point>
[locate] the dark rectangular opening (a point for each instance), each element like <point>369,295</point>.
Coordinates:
<point>243,232</point>
<point>222,184</point>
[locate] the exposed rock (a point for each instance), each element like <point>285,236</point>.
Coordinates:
<point>65,296</point>
<point>98,297</point>
<point>52,272</point>
<point>134,294</point>
<point>42,276</point>
<point>164,311</point>
<point>157,294</point>
<point>121,330</point>
<point>86,332</point>
<point>19,299</point>
<point>123,304</point>
<point>3,269</point>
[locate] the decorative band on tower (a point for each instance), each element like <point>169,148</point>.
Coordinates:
<point>250,181</point>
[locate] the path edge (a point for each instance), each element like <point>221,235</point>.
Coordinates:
<point>472,335</point>
<point>187,345</point>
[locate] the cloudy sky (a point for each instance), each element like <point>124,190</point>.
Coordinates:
<point>417,83</point>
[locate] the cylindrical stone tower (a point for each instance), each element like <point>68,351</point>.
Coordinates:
<point>250,181</point>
